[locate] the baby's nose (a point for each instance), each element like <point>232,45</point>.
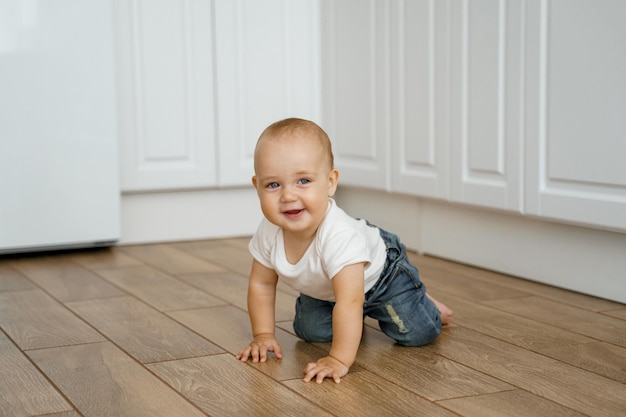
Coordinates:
<point>288,194</point>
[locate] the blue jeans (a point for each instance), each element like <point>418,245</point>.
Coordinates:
<point>398,301</point>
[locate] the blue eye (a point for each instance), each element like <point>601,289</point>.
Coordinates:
<point>272,185</point>
<point>303,181</point>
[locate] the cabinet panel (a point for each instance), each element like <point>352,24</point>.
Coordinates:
<point>165,93</point>
<point>267,60</point>
<point>576,101</point>
<point>420,127</point>
<point>356,88</point>
<point>487,53</point>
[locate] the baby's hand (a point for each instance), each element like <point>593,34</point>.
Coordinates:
<point>326,367</point>
<point>258,348</point>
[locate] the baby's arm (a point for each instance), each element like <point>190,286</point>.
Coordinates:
<point>261,307</point>
<point>347,326</point>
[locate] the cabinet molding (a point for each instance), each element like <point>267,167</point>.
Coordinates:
<point>165,93</point>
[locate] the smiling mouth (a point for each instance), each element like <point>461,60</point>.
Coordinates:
<point>293,213</point>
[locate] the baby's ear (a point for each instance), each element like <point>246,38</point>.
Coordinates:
<point>333,179</point>
<point>254,181</point>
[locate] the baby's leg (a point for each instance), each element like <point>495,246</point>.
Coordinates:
<point>314,319</point>
<point>445,313</point>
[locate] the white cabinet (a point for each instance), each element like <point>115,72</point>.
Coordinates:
<point>575,111</point>
<point>198,80</point>
<point>420,85</point>
<point>487,53</point>
<point>165,94</point>
<point>517,106</point>
<point>424,97</point>
<point>267,61</point>
<point>356,58</point>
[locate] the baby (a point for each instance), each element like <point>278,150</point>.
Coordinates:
<point>343,268</point>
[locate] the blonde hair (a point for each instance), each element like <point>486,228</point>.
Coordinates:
<point>291,126</point>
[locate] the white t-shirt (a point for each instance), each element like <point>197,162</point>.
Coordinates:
<point>340,241</point>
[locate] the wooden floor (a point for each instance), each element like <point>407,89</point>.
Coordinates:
<point>151,330</point>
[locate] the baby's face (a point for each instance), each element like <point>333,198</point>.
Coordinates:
<point>293,181</point>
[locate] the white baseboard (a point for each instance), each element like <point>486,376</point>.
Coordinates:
<point>582,259</point>
<point>189,215</point>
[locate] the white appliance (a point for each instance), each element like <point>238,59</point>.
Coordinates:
<point>59,181</point>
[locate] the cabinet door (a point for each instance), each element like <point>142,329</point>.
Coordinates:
<point>356,89</point>
<point>576,102</point>
<point>486,110</point>
<point>267,61</point>
<point>420,85</point>
<point>165,93</point>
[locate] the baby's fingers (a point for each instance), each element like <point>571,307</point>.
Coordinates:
<point>253,351</point>
<point>328,373</point>
<point>313,370</point>
<point>240,357</point>
<point>259,352</point>
<point>244,354</point>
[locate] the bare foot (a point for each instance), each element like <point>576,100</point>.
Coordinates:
<point>444,312</point>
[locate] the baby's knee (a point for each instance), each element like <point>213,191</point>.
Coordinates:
<point>416,329</point>
<point>420,337</point>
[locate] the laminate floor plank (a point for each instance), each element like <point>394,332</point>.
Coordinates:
<point>169,259</point>
<point>163,342</point>
<point>161,291</point>
<point>562,383</point>
<point>513,328</point>
<point>226,326</point>
<point>599,358</point>
<point>229,286</point>
<point>422,370</point>
<point>238,242</point>
<point>516,403</point>
<point>24,391</point>
<point>146,334</point>
<point>103,258</point>
<point>34,320</point>
<point>101,380</point>
<point>227,256</point>
<point>464,287</point>
<point>64,414</point>
<point>66,281</point>
<point>222,386</point>
<point>618,314</point>
<point>296,355</point>
<point>207,246</point>
<point>229,328</point>
<point>233,288</point>
<point>366,394</point>
<point>11,280</point>
<point>588,323</point>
